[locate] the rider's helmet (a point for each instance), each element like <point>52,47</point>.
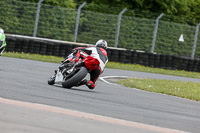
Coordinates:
<point>102,44</point>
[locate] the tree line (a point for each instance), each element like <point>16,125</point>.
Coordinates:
<point>189,9</point>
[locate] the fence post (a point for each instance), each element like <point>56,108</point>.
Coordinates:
<point>155,32</point>
<point>77,20</point>
<point>118,26</point>
<point>195,41</point>
<point>37,18</point>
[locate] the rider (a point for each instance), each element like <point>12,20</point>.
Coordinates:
<point>98,52</point>
<point>2,41</point>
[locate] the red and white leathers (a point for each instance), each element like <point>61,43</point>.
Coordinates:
<point>96,52</point>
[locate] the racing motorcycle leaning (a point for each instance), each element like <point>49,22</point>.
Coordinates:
<point>71,73</point>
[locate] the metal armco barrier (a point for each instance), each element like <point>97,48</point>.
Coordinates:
<point>63,49</point>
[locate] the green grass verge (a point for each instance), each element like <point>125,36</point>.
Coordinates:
<point>189,90</point>
<point>44,58</point>
<point>113,65</point>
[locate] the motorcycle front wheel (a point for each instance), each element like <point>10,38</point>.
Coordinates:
<point>51,80</point>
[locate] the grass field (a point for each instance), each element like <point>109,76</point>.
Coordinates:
<point>189,90</point>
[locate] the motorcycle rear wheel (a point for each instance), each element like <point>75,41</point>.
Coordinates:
<point>76,78</point>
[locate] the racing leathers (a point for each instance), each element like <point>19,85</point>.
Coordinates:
<point>2,43</point>
<point>95,52</point>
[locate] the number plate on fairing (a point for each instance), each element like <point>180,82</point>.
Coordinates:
<point>59,77</point>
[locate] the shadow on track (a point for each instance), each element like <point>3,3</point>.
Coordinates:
<point>76,89</point>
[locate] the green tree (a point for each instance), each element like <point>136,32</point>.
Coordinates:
<point>194,7</point>
<point>64,3</point>
<point>184,8</point>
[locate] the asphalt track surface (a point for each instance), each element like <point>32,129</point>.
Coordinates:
<point>24,91</point>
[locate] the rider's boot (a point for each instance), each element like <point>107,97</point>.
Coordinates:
<point>90,84</point>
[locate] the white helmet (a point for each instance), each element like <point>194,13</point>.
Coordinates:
<point>102,44</point>
<point>1,31</point>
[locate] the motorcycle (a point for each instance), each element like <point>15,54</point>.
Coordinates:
<point>71,73</point>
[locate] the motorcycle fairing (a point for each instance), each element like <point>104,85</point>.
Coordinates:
<point>59,77</point>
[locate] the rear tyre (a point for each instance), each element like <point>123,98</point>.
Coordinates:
<point>76,78</point>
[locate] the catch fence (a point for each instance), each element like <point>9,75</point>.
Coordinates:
<point>133,30</point>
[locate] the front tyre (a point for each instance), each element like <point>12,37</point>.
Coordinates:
<point>76,78</point>
<point>51,80</point>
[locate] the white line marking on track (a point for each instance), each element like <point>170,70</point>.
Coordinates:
<point>107,77</point>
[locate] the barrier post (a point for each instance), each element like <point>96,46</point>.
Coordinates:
<point>155,32</point>
<point>195,41</point>
<point>77,20</point>
<point>37,18</point>
<point>118,26</point>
